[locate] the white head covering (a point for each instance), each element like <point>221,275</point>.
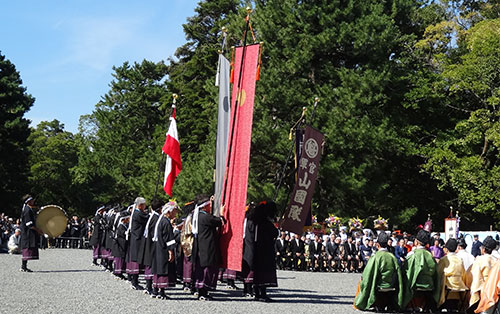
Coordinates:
<point>167,208</point>
<point>99,209</point>
<point>195,217</point>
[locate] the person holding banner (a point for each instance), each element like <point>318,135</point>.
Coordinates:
<point>206,247</point>
<point>259,263</point>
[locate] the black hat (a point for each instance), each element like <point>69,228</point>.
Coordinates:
<point>382,238</point>
<point>489,243</point>
<point>451,244</point>
<point>423,237</point>
<point>462,243</point>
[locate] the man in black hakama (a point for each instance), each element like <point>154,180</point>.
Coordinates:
<point>97,237</point>
<point>137,224</point>
<point>163,264</point>
<point>30,234</point>
<point>259,263</point>
<point>147,250</point>
<point>120,246</point>
<point>206,247</point>
<point>107,255</point>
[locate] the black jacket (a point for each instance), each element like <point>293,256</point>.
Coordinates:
<point>294,248</point>
<point>147,250</point>
<point>120,243</point>
<point>258,251</point>
<point>206,244</point>
<point>166,242</point>
<point>313,250</point>
<point>281,248</point>
<point>29,237</point>
<point>97,232</point>
<point>138,224</point>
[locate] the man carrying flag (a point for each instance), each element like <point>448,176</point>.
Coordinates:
<point>172,149</point>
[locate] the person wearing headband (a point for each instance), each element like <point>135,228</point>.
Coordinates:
<point>163,264</point>
<point>480,270</point>
<point>97,237</point>
<point>120,246</point>
<point>453,276</point>
<point>138,219</point>
<point>29,233</point>
<point>423,288</point>
<point>381,283</point>
<point>147,251</point>
<point>206,247</point>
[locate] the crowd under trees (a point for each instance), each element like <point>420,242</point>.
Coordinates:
<point>409,104</point>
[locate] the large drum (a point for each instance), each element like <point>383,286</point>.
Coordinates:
<point>52,220</point>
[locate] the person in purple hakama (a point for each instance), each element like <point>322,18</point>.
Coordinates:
<point>97,237</point>
<point>147,249</point>
<point>163,263</point>
<point>135,232</point>
<point>206,247</point>
<point>120,247</point>
<point>29,233</point>
<point>259,263</point>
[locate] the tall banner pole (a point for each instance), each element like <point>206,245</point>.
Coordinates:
<point>238,98</point>
<point>162,156</point>
<point>290,152</point>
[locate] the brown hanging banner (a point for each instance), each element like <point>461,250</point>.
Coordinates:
<point>307,173</point>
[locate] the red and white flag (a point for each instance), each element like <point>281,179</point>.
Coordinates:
<point>172,149</point>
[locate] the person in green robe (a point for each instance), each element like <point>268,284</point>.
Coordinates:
<point>381,282</point>
<point>422,284</point>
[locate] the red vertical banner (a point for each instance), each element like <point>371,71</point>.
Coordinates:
<point>240,136</point>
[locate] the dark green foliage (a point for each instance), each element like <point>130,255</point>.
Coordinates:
<point>14,132</point>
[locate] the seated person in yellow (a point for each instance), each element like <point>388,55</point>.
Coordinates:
<point>422,285</point>
<point>452,273</point>
<point>480,269</point>
<point>381,283</point>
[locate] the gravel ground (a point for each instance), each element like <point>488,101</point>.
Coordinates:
<point>64,282</point>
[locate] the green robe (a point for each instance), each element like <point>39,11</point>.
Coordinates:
<point>381,272</point>
<point>421,273</point>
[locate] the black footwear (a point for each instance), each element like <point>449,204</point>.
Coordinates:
<point>25,270</point>
<point>205,298</point>
<point>162,297</point>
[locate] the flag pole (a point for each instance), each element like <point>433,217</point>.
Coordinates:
<point>217,82</point>
<point>235,109</point>
<point>162,156</point>
<point>290,151</point>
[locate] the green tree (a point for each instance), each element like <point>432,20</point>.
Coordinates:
<point>122,139</point>
<point>53,153</point>
<point>465,157</point>
<point>354,56</point>
<point>14,132</point>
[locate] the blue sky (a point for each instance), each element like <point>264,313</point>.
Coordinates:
<point>65,50</point>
